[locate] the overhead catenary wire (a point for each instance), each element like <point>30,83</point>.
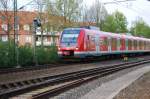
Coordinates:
<point>132,9</point>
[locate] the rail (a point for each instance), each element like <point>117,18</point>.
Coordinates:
<point>75,78</point>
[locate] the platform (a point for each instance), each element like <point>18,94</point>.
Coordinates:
<point>110,89</point>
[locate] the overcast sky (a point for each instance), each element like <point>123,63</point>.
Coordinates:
<point>131,9</point>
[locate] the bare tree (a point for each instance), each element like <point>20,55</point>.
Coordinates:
<point>70,9</point>
<point>85,15</point>
<point>96,13</point>
<point>6,15</point>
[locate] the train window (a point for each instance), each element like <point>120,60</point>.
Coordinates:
<point>148,45</point>
<point>122,42</point>
<point>93,38</point>
<point>118,43</point>
<point>140,45</point>
<point>129,44</point>
<point>70,36</point>
<point>114,42</point>
<point>88,37</point>
<point>144,45</point>
<point>135,44</point>
<point>103,41</point>
<point>132,44</point>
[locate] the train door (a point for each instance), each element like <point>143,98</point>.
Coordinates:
<point>87,43</point>
<point>97,43</point>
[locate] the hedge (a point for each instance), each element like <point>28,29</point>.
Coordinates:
<point>8,55</point>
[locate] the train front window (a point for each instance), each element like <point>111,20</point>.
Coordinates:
<point>70,36</point>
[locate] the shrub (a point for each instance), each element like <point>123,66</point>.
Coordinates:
<point>52,54</point>
<point>8,55</point>
<point>46,55</point>
<point>25,56</point>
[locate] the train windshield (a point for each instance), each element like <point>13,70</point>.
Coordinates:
<point>70,36</point>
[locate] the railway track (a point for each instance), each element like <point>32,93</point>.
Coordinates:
<point>50,86</point>
<point>30,68</point>
<point>39,67</point>
<point>47,66</point>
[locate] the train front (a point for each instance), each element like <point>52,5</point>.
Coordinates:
<point>70,43</point>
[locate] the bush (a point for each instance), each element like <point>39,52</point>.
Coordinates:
<point>8,55</point>
<point>46,55</point>
<point>25,56</point>
<point>41,56</point>
<point>52,54</point>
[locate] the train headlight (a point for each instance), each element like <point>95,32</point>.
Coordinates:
<point>77,48</point>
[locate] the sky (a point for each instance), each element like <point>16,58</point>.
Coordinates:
<point>131,9</point>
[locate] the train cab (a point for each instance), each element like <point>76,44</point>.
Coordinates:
<point>69,42</point>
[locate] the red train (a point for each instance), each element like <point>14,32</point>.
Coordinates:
<point>82,42</point>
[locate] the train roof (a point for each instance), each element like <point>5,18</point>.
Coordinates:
<point>118,35</point>
<point>110,34</point>
<point>73,29</point>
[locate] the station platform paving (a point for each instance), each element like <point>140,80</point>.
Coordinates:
<point>110,89</point>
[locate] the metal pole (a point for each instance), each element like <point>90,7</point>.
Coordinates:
<point>34,44</point>
<point>41,29</point>
<point>16,32</point>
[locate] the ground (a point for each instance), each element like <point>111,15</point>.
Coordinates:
<point>140,89</point>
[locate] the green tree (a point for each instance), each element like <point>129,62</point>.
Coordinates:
<point>115,22</point>
<point>109,24</point>
<point>140,28</point>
